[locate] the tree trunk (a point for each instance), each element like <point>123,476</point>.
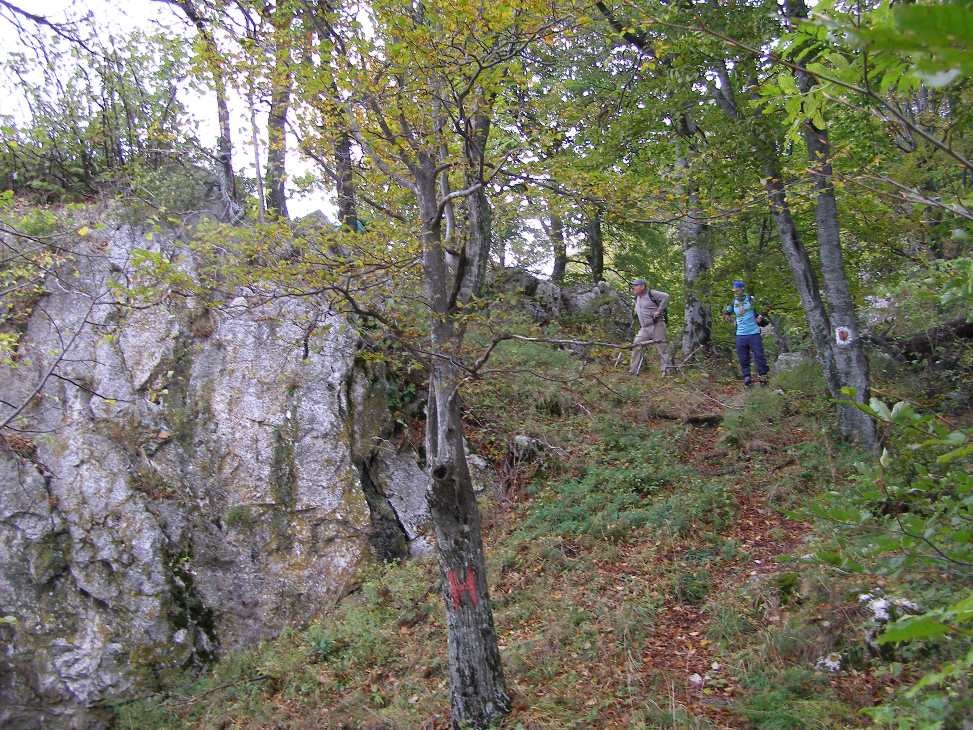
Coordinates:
<point>478,211</point>
<point>280,99</point>
<point>345,182</point>
<point>224,151</point>
<point>697,260</point>
<point>224,145</point>
<point>850,358</point>
<point>804,279</point>
<point>255,140</point>
<point>479,215</point>
<point>478,694</point>
<point>559,249</point>
<point>697,255</point>
<point>780,336</point>
<point>596,249</point>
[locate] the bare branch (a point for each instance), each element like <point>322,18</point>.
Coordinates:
<point>458,194</point>
<point>57,361</point>
<point>66,31</point>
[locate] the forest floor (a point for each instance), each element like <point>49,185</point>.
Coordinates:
<point>652,568</point>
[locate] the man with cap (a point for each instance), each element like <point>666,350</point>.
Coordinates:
<point>749,340</point>
<point>650,308</point>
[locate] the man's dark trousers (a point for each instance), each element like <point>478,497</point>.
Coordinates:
<point>746,343</point>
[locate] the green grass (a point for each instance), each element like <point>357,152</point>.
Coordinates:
<point>635,485</point>
<point>795,698</point>
<point>762,412</point>
<point>584,568</point>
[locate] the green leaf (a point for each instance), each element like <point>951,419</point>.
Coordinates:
<point>902,409</point>
<point>881,410</point>
<point>787,84</point>
<point>912,628</point>
<point>955,454</point>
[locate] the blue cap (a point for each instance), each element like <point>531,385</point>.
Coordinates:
<point>739,284</point>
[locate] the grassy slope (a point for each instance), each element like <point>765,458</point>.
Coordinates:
<point>643,574</point>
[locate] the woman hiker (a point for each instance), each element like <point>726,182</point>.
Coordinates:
<point>749,339</point>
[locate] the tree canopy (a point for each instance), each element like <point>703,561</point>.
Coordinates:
<point>823,155</point>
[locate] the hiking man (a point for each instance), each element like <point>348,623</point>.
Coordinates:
<point>749,339</point>
<point>650,308</point>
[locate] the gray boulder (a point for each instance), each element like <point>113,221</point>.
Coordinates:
<point>544,301</point>
<point>789,361</point>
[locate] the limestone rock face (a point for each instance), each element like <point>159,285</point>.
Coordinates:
<point>545,301</point>
<point>189,482</point>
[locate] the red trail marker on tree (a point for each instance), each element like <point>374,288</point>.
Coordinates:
<point>457,588</point>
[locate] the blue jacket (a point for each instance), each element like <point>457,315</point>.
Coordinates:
<point>746,315</point>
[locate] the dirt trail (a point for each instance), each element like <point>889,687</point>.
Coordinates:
<point>678,657</point>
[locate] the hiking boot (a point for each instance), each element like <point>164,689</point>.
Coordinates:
<point>763,380</point>
<point>747,382</point>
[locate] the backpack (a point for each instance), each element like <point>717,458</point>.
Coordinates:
<point>762,319</point>
<point>665,312</point>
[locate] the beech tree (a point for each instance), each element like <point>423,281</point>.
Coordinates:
<point>843,366</point>
<point>426,98</point>
<point>213,61</point>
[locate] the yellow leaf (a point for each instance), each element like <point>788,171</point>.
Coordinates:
<point>84,231</point>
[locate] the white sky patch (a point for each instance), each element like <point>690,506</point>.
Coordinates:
<point>121,19</point>
<point>114,18</point>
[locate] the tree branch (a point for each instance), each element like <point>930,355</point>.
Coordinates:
<point>50,371</point>
<point>458,194</point>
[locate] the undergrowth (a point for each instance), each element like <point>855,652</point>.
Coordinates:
<point>635,484</point>
<point>613,577</point>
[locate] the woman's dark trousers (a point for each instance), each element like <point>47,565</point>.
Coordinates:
<point>745,345</point>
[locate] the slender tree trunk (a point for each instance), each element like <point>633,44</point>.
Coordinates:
<point>478,211</point>
<point>479,215</point>
<point>224,145</point>
<point>559,249</point>
<point>850,358</point>
<point>280,99</point>
<point>697,259</point>
<point>478,695</point>
<point>790,240</point>
<point>780,336</point>
<point>224,150</point>
<point>478,691</point>
<point>255,140</point>
<point>804,279</point>
<point>345,183</point>
<point>596,248</point>
<point>697,255</point>
<point>276,153</point>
